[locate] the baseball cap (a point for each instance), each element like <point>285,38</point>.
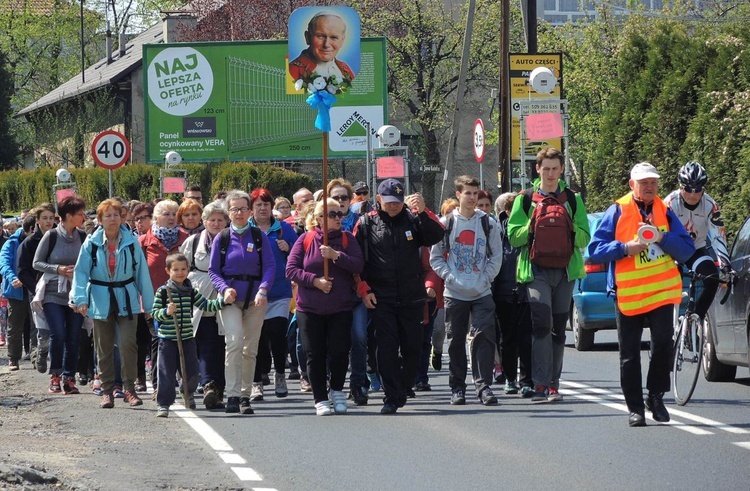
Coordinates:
<point>643,170</point>
<point>361,186</point>
<point>391,191</point>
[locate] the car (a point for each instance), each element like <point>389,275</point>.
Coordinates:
<point>726,344</point>
<point>591,309</point>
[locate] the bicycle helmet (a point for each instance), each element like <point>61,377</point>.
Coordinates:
<point>692,174</point>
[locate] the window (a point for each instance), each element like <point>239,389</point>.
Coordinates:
<point>569,6</point>
<point>550,4</point>
<point>740,247</point>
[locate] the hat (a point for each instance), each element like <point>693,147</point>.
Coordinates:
<point>391,191</point>
<point>644,170</point>
<point>361,186</point>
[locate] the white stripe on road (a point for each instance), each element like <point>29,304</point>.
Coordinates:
<point>745,445</point>
<point>672,411</point>
<point>217,443</point>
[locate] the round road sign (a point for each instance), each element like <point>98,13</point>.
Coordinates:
<point>479,140</point>
<point>110,149</point>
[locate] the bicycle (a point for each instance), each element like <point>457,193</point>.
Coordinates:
<point>689,337</point>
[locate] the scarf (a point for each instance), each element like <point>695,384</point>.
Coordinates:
<point>166,235</point>
<point>185,289</point>
<point>193,231</point>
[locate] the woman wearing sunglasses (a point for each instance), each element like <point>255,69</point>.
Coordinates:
<point>342,191</point>
<point>324,304</point>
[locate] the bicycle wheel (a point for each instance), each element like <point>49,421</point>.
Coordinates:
<point>686,365</point>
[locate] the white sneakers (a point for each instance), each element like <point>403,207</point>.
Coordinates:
<point>338,398</point>
<point>322,408</point>
<point>256,394</point>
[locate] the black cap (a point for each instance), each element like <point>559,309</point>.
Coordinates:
<point>391,191</point>
<point>361,186</point>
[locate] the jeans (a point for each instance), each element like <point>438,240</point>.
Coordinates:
<point>242,333</point>
<point>110,334</point>
<point>291,343</point>
<point>629,332</point>
<point>211,352</point>
<point>549,298</point>
<point>360,321</point>
<point>169,363</point>
<point>65,331</point>
<point>483,346</point>
<point>327,340</point>
<point>300,348</point>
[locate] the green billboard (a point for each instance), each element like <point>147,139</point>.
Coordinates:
<point>236,101</point>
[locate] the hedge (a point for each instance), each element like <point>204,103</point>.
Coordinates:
<point>21,189</point>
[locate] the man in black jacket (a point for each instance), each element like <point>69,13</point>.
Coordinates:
<point>393,284</point>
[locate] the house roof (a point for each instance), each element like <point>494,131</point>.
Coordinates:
<point>100,73</point>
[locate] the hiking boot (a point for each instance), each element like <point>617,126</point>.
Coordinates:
<point>304,384</point>
<point>436,360</point>
<point>41,361</point>
<point>655,404</point>
<point>265,379</point>
<point>540,394</point>
<point>422,387</point>
<point>245,407</point>
<point>458,398</point>
<point>118,392</point>
<point>358,395</point>
<point>294,374</point>
<point>323,408</point>
<point>553,395</point>
<point>210,396</point>
<point>339,401</point>
<point>487,397</point>
<point>107,402</point>
<point>132,398</point>
<point>69,386</point>
<point>233,405</point>
<point>374,381</point>
<point>162,412</point>
<point>280,385</point>
<point>54,384</point>
<point>256,394</point>
<point>219,399</point>
<point>511,387</point>
<point>13,365</point>
<point>527,391</point>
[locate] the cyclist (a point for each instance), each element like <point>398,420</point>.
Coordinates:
<point>702,219</point>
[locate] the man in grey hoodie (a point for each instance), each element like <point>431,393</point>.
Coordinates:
<point>468,260</point>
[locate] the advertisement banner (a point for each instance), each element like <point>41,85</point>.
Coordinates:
<point>229,101</point>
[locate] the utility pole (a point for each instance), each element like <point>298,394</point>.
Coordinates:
<point>504,163</point>
<point>448,172</point>
<point>531,23</point>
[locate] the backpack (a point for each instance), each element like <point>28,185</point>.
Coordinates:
<point>485,220</point>
<point>551,232</point>
<point>310,236</point>
<point>193,249</point>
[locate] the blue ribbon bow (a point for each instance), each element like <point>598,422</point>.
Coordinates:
<point>322,100</point>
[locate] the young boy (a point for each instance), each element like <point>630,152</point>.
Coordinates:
<point>183,298</point>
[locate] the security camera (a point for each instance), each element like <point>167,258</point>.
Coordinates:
<point>389,135</point>
<point>173,158</point>
<point>62,175</point>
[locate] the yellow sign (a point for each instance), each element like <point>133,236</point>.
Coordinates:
<point>521,66</point>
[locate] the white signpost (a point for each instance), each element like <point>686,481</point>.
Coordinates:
<point>479,148</point>
<point>110,150</point>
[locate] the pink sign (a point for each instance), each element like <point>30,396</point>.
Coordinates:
<point>61,194</point>
<point>390,167</point>
<point>174,185</point>
<point>543,126</point>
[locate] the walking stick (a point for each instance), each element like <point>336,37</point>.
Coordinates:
<point>178,330</point>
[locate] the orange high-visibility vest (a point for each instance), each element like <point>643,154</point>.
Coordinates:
<point>643,284</point>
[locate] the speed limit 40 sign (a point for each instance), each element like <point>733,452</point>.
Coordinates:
<point>110,149</point>
<point>479,140</point>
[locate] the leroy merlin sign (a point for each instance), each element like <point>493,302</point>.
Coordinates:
<point>236,101</point>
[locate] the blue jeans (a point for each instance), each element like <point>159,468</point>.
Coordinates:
<point>301,356</point>
<point>360,321</point>
<point>64,335</point>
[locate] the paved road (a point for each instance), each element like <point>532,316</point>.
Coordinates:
<point>583,442</point>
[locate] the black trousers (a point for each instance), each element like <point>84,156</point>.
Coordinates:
<point>272,345</point>
<point>514,318</point>
<point>398,329</point>
<point>702,263</point>
<point>629,332</point>
<point>327,340</point>
<point>143,340</point>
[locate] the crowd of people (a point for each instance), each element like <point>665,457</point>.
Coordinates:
<point>213,298</point>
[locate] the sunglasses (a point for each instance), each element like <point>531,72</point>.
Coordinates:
<point>343,197</point>
<point>141,218</point>
<point>335,214</point>
<point>690,189</point>
<point>362,193</point>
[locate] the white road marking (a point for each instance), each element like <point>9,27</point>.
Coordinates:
<point>745,445</point>
<point>231,458</point>
<point>247,474</point>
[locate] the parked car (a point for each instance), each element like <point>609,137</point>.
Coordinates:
<point>591,309</point>
<point>727,341</point>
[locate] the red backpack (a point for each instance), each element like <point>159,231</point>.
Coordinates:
<point>551,232</point>
<point>310,236</point>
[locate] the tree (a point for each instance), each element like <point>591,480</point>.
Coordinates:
<point>8,145</point>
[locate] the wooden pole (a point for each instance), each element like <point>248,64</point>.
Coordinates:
<point>178,330</point>
<point>325,200</point>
